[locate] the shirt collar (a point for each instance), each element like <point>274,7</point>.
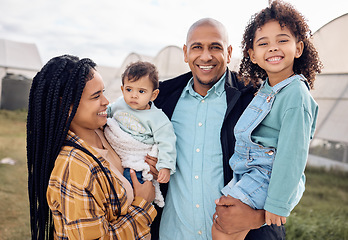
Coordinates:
<point>218,88</point>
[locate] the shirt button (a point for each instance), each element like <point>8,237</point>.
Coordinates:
<point>200,124</point>
<point>197,205</point>
<point>196,177</point>
<point>197,150</point>
<point>203,101</point>
<point>200,232</point>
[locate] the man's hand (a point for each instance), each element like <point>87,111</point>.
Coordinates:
<point>152,161</point>
<point>234,216</point>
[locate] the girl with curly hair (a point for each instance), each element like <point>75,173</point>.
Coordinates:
<point>273,133</point>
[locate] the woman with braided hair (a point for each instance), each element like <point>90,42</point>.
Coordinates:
<point>76,189</point>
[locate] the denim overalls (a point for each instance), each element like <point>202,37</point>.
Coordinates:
<point>252,163</point>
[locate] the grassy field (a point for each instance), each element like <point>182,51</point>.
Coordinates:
<point>323,211</point>
<point>14,206</point>
<point>321,214</point>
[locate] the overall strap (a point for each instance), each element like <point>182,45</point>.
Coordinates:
<point>75,145</point>
<point>284,83</point>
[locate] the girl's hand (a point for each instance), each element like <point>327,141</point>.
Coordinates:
<point>145,190</point>
<point>274,219</point>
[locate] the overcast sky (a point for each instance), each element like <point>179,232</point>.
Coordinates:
<point>108,30</point>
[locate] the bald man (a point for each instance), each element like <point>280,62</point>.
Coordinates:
<point>204,106</point>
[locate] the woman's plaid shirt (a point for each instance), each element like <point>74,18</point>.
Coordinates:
<point>79,198</point>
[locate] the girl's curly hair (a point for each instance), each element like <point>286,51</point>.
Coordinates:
<point>308,64</point>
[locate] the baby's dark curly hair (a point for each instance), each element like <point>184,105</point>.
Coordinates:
<point>308,64</point>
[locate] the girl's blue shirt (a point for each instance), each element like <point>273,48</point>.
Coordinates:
<point>288,127</point>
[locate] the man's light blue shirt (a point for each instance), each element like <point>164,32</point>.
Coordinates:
<point>197,123</point>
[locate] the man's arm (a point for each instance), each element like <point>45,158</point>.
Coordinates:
<point>152,161</point>
<point>235,216</point>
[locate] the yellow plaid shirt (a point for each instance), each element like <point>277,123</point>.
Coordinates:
<point>78,195</point>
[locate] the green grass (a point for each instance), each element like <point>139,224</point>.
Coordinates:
<point>323,211</point>
<point>321,214</point>
<point>14,205</point>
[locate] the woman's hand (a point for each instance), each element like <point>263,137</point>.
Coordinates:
<point>145,190</point>
<point>152,161</point>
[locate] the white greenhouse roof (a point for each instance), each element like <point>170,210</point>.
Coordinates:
<point>331,94</point>
<point>19,55</point>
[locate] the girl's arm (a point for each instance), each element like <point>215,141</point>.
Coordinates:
<point>287,180</point>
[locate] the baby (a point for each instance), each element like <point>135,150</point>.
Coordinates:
<point>138,128</point>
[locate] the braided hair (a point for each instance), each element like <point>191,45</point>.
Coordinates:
<point>54,97</point>
<point>308,64</point>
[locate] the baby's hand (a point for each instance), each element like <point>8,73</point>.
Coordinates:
<point>274,219</point>
<point>163,175</point>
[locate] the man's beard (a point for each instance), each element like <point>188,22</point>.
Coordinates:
<point>210,83</point>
